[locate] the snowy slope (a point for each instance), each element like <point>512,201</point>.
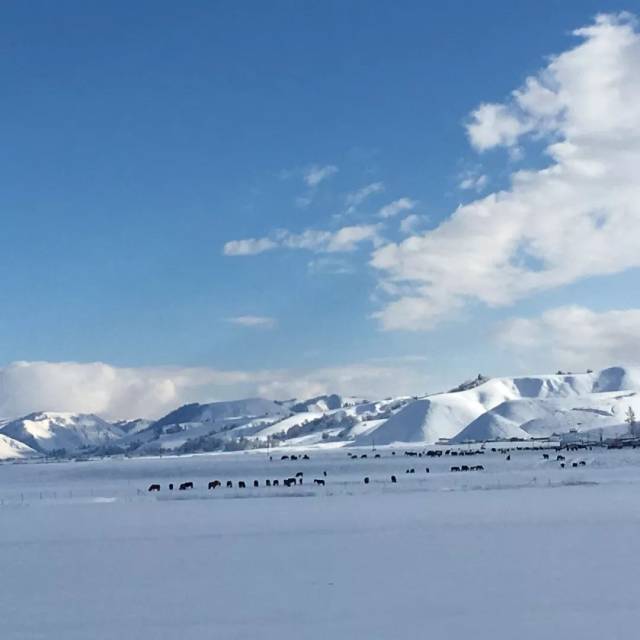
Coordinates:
<point>11,449</point>
<point>50,431</point>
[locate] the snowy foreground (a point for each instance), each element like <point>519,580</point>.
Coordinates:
<point>523,549</point>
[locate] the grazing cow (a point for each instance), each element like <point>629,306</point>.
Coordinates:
<point>366,480</point>
<point>241,484</point>
<point>284,457</point>
<point>427,469</point>
<point>294,457</point>
<point>464,467</point>
<point>393,453</point>
<point>545,456</point>
<point>377,455</point>
<point>305,457</point>
<point>154,487</point>
<point>324,473</point>
<point>394,479</point>
<point>574,464</point>
<point>290,482</point>
<point>455,468</point>
<point>582,463</point>
<point>509,457</point>
<point>267,483</point>
<point>318,481</point>
<point>229,484</point>
<point>558,458</point>
<point>185,485</point>
<point>256,483</point>
<point>479,467</point>
<point>276,483</point>
<point>299,474</point>
<point>562,465</point>
<point>171,486</point>
<point>214,484</point>
<point>364,455</point>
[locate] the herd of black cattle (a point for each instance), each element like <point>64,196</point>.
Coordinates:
<point>299,476</point>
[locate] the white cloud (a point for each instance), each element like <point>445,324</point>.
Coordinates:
<point>248,247</point>
<point>575,338</point>
<point>260,322</point>
<point>121,392</point>
<point>315,174</point>
<point>396,207</point>
<point>320,241</point>
<point>356,198</point>
<point>577,217</point>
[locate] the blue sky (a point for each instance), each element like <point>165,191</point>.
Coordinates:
<point>139,138</point>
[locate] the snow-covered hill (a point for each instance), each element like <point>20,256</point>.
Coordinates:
<point>498,407</point>
<point>51,431</point>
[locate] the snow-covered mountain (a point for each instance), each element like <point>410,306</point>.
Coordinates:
<point>480,410</point>
<point>52,431</point>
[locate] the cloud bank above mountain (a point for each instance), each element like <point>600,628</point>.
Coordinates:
<point>130,392</point>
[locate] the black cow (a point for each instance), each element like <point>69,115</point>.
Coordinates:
<point>562,465</point>
<point>366,480</point>
<point>509,457</point>
<point>318,481</point>
<point>582,463</point>
<point>154,487</point>
<point>256,483</point>
<point>276,483</point>
<point>294,457</point>
<point>364,455</point>
<point>284,458</point>
<point>214,484</point>
<point>229,484</point>
<point>267,483</point>
<point>289,482</point>
<point>377,455</point>
<point>394,479</point>
<point>185,485</point>
<point>455,468</point>
<point>464,467</point>
<point>574,464</point>
<point>545,456</point>
<point>324,473</point>
<point>171,486</point>
<point>558,458</point>
<point>299,474</point>
<point>305,457</point>
<point>241,484</point>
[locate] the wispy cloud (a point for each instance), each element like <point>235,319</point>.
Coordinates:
<point>257,322</point>
<point>321,241</point>
<point>356,198</point>
<point>248,246</point>
<point>314,175</point>
<point>471,180</point>
<point>396,207</point>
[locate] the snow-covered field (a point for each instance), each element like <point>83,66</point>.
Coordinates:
<point>523,549</point>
